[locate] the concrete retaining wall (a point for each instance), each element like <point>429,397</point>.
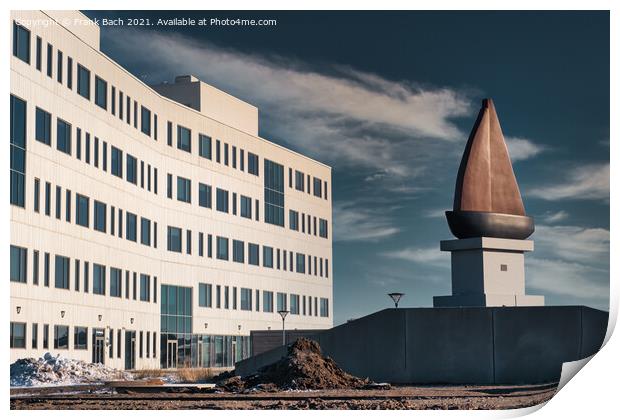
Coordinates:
<point>504,345</point>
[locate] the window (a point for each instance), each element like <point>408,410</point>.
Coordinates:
<point>301,263</point>
<point>323,228</point>
<point>201,245</point>
<point>68,205</point>
<point>317,187</point>
<point>226,154</point>
<point>246,299</point>
<point>169,133</point>
<point>18,151</point>
<point>46,269</point>
<point>252,164</point>
<point>174,239</point>
<point>184,189</point>
<point>241,160</point>
<point>222,200</point>
<point>69,73</point>
<point>135,114</point>
<point>61,336</point>
<point>35,335</point>
<point>18,264</point>
<point>234,204</point>
<point>116,275</point>
<point>80,338</point>
<point>218,294</point>
<point>99,279</point>
<point>274,193</point>
<point>281,302</point>
<point>18,335</point>
<point>145,231</point>
<point>222,248</point>
<point>169,186</point>
<point>58,201</point>
<point>184,139</point>
<point>35,267</point>
<point>100,216</point>
<point>267,256</point>
<point>324,307</point>
<point>246,207</point>
<point>82,205</point>
<point>204,195</point>
<point>21,42</point>
<point>145,120</point>
<point>205,295</point>
<point>50,59</point>
<point>117,162</point>
<point>59,67</point>
<point>43,132</point>
<point>188,242</point>
<point>46,336</point>
<point>87,148</point>
<point>234,157</point>
<point>267,301</point>
<point>238,251</point>
<point>132,169</point>
<point>63,136</point>
<point>37,194</point>
<point>83,80</point>
<point>145,288</point>
<point>204,146</point>
<point>294,304</point>
<point>217,151</point>
<point>61,265</point>
<point>131,227</point>
<point>293,220</point>
<point>252,254</point>
<point>209,245</point>
<point>39,53</point>
<point>101,92</point>
<point>299,181</point>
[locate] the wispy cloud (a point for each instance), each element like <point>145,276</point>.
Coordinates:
<point>521,148</point>
<point>590,182</point>
<point>353,222</point>
<point>431,255</point>
<point>570,279</point>
<point>573,243</point>
<point>554,217</point>
<point>337,114</point>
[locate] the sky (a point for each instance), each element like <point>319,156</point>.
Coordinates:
<point>388,99</point>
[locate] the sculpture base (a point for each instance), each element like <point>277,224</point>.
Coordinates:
<point>488,272</point>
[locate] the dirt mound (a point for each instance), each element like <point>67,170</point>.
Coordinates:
<point>50,370</point>
<point>303,368</point>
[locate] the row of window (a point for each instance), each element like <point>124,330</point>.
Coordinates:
<point>82,275</point>
<point>18,151</point>
<point>62,339</point>
<point>301,182</point>
<point>43,133</point>
<point>221,299</point>
<point>307,221</point>
<point>100,214</point>
<point>21,50</point>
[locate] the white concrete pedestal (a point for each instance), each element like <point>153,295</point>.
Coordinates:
<point>488,272</point>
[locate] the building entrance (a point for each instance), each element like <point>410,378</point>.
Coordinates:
<point>130,350</point>
<point>172,354</point>
<point>98,346</point>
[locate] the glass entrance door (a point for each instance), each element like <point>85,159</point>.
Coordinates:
<point>98,346</point>
<point>172,354</point>
<point>130,350</point>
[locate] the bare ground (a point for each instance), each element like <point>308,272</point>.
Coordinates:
<point>397,398</point>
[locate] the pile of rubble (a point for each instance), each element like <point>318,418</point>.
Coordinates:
<point>303,368</point>
<point>56,370</point>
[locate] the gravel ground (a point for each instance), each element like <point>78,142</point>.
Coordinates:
<point>397,398</point>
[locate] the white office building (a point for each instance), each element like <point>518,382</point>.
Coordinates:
<point>151,226</point>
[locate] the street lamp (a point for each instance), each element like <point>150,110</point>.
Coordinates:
<point>396,296</point>
<point>283,314</point>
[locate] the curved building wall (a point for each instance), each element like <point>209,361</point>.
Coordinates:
<point>89,173</point>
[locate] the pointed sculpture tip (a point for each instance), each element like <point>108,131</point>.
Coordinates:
<point>487,103</point>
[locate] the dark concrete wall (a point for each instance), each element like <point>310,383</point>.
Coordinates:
<point>507,345</point>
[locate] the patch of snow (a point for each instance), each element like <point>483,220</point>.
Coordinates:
<point>57,370</point>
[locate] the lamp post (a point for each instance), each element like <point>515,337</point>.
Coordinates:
<point>396,296</point>
<point>283,314</point>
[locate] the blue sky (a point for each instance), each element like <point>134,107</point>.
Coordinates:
<point>388,99</point>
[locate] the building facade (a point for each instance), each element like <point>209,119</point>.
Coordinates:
<point>151,226</point>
